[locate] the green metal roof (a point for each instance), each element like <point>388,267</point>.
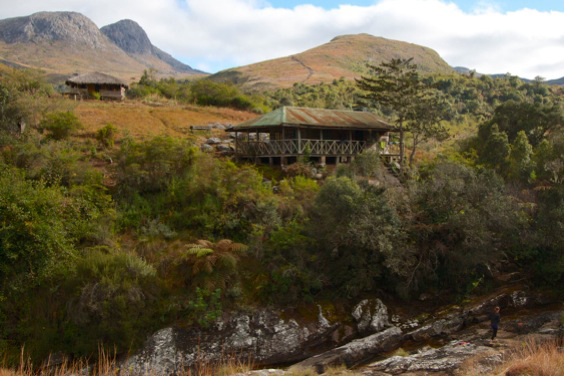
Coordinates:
<point>316,117</point>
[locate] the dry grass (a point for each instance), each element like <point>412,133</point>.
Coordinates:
<point>535,358</point>
<point>108,366</point>
<point>141,120</point>
<point>343,57</point>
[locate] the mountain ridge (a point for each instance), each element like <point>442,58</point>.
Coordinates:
<point>69,42</point>
<point>131,38</point>
<point>343,56</point>
<point>465,70</point>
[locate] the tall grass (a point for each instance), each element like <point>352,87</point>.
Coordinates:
<point>107,365</point>
<point>535,358</point>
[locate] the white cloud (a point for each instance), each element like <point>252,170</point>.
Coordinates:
<point>220,33</point>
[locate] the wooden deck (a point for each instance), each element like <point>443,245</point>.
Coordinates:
<point>314,148</point>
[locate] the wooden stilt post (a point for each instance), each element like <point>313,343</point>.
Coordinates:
<point>350,146</point>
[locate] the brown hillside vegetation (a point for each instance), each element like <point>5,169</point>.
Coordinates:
<point>344,56</point>
<point>141,120</point>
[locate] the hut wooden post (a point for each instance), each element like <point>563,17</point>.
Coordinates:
<point>323,158</point>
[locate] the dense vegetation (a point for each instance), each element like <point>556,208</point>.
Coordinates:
<point>201,92</point>
<point>92,252</point>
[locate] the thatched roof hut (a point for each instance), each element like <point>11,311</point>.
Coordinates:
<point>95,78</point>
<point>96,85</point>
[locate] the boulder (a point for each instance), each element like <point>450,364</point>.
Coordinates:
<point>213,141</point>
<point>217,126</point>
<point>371,316</point>
<point>439,328</point>
<point>225,148</point>
<point>355,351</point>
<point>445,359</point>
<point>266,337</point>
<point>206,148</point>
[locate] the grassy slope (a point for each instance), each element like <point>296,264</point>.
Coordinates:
<point>58,58</point>
<point>345,56</point>
<point>142,120</point>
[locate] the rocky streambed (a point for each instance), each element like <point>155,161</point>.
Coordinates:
<point>371,339</point>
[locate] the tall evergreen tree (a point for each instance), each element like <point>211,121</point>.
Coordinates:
<point>396,85</point>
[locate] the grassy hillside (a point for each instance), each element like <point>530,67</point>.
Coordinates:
<point>141,120</point>
<point>344,56</point>
<point>57,58</point>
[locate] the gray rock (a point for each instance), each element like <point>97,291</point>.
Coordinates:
<point>206,148</point>
<point>225,148</point>
<point>356,351</point>
<point>131,38</point>
<point>262,336</point>
<point>444,359</point>
<point>437,328</point>
<point>71,27</point>
<point>263,372</point>
<point>371,316</point>
<point>213,141</point>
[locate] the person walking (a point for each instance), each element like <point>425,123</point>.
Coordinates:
<point>495,318</point>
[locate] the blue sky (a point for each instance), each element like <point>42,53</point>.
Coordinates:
<point>520,37</point>
<point>466,5</point>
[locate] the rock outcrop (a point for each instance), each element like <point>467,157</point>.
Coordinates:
<point>371,316</point>
<point>263,336</point>
<point>131,38</point>
<point>356,351</point>
<point>70,27</point>
<point>445,359</point>
<point>269,338</point>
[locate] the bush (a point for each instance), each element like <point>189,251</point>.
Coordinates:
<point>23,98</point>
<point>106,135</point>
<point>356,230</point>
<point>149,166</point>
<point>211,93</point>
<point>37,231</point>
<point>105,298</point>
<point>465,220</point>
<point>60,125</point>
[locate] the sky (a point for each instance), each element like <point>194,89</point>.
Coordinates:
<point>521,37</point>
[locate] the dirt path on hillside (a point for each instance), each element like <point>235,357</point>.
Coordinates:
<point>309,69</point>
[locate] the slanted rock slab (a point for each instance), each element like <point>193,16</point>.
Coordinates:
<point>356,351</point>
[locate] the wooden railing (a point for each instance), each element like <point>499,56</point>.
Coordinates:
<point>299,147</point>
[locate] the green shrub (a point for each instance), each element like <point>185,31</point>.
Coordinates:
<point>60,125</point>
<point>206,307</point>
<point>465,220</point>
<point>37,230</point>
<point>356,231</point>
<point>113,302</point>
<point>106,135</point>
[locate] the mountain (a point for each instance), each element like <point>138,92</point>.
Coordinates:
<point>464,70</point>
<point>344,56</point>
<point>69,42</point>
<point>559,81</point>
<point>131,38</point>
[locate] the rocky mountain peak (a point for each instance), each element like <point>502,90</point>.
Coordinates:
<point>40,27</point>
<point>129,36</point>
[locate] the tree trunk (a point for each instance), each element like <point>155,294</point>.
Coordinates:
<point>402,146</point>
<point>413,149</point>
